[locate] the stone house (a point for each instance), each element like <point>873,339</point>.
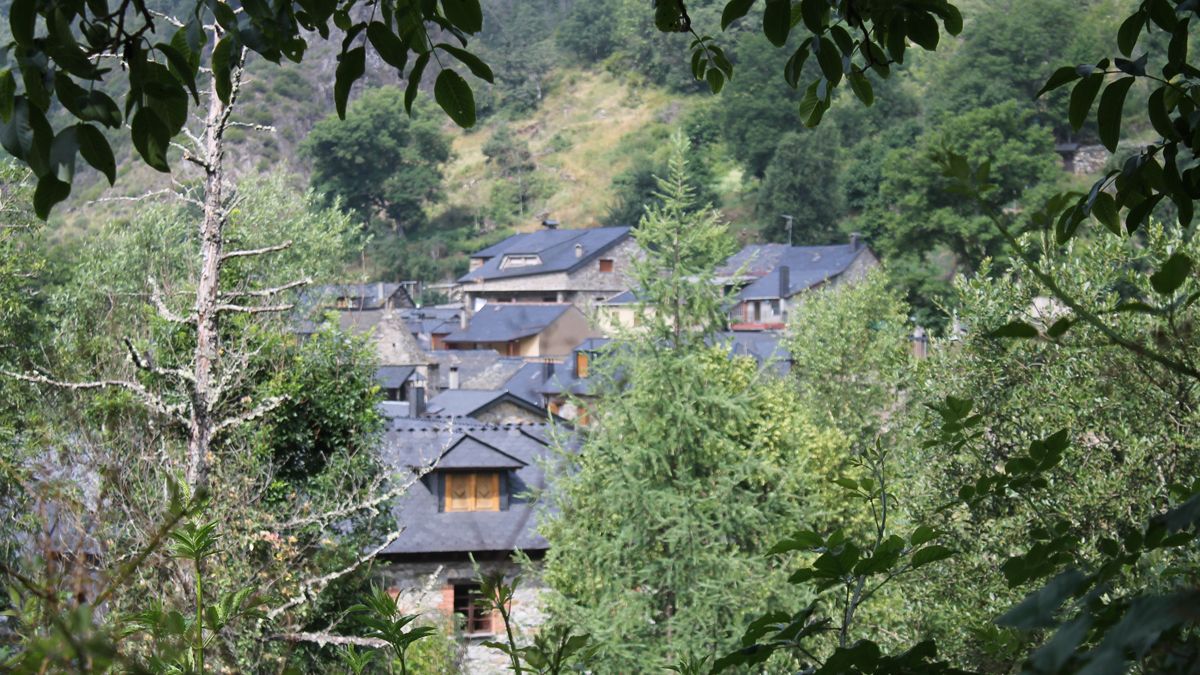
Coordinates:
<point>525,330</point>
<point>766,280</point>
<point>570,386</point>
<point>466,515</point>
<point>359,297</point>
<point>490,406</point>
<point>581,267</point>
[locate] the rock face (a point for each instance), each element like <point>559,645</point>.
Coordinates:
<point>429,588</point>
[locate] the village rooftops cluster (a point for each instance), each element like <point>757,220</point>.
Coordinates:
<point>477,390</point>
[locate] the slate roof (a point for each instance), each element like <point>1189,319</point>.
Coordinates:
<point>764,346</point>
<point>527,382</point>
<point>807,267</point>
<point>501,322</point>
<point>427,530</point>
<point>565,379</point>
<point>468,402</point>
<point>366,296</point>
<point>555,248</point>
<point>425,321</point>
<point>470,363</point>
<point>392,377</point>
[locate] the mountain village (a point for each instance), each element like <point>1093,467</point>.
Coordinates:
<point>475,392</point>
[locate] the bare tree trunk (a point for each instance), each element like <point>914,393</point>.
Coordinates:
<point>212,232</point>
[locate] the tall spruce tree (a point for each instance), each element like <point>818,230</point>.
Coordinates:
<point>694,464</point>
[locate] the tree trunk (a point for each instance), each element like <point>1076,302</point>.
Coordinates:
<point>212,233</point>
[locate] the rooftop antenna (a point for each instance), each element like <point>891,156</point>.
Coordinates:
<point>789,220</point>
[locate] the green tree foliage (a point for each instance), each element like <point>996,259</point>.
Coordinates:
<point>1128,451</point>
<point>693,459</point>
<point>802,181</point>
<point>58,50</point>
<point>379,163</point>
<point>926,233</point>
<point>512,198</point>
<point>589,30</point>
<point>850,353</point>
<point>279,488</point>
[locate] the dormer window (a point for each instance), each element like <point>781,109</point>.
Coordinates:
<point>471,491</point>
<point>511,261</point>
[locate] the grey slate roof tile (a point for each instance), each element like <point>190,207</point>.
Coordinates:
<point>807,267</point>
<point>555,248</point>
<point>428,530</point>
<point>501,322</point>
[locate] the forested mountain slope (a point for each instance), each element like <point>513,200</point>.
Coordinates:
<point>586,93</point>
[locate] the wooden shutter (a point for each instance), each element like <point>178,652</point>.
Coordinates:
<point>458,492</point>
<point>487,491</point>
<point>581,364</point>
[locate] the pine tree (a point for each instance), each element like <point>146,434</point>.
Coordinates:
<point>692,468</point>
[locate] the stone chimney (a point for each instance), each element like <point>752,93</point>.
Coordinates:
<point>855,241</point>
<point>785,281</point>
<point>578,250</point>
<point>452,379</point>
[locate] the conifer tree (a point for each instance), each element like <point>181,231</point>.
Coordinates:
<point>692,467</point>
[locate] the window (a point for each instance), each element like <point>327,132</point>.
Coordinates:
<point>474,491</point>
<point>582,361</point>
<point>511,261</point>
<point>467,604</point>
<point>394,394</point>
<point>606,265</point>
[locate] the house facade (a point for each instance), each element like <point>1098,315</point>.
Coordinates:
<point>580,267</point>
<point>471,506</point>
<point>767,280</point>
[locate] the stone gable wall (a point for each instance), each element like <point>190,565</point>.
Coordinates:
<point>426,587</point>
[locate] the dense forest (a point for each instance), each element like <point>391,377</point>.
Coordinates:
<point>191,483</point>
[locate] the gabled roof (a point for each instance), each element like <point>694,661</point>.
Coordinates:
<point>501,322</point>
<point>807,266</point>
<point>362,296</point>
<point>393,377</point>
<point>764,346</point>
<point>527,382</point>
<point>556,250</point>
<point>472,453</point>
<point>470,402</point>
<point>428,530</point>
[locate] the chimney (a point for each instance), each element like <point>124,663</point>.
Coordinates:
<point>785,281</point>
<point>549,224</point>
<point>462,315</point>
<point>547,370</point>
<point>855,241</point>
<point>578,250</point>
<point>417,405</point>
<point>452,380</point>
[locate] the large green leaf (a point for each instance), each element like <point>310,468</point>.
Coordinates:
<point>465,14</point>
<point>1112,103</point>
<point>351,66</point>
<point>1172,274</point>
<point>777,21</point>
<point>734,10</point>
<point>152,138</point>
<point>454,95</point>
<point>95,151</point>
<point>1082,97</point>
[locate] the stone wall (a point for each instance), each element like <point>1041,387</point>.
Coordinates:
<point>427,587</point>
